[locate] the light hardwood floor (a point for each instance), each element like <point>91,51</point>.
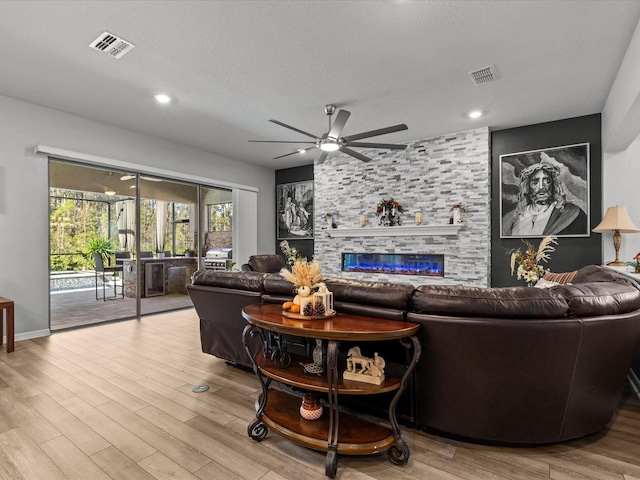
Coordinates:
<point>115,402</point>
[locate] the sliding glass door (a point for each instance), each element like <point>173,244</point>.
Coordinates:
<point>124,244</point>
<point>92,218</point>
<point>169,236</point>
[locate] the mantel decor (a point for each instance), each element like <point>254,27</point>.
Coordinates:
<point>388,211</point>
<point>457,210</point>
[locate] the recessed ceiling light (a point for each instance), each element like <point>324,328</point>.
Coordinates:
<point>475,114</point>
<point>162,98</point>
<point>302,150</point>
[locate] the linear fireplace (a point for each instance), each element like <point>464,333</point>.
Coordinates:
<point>399,264</point>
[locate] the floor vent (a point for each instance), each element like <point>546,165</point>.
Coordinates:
<point>112,45</point>
<point>484,75</point>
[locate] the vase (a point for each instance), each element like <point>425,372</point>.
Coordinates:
<point>311,409</point>
<point>457,216</point>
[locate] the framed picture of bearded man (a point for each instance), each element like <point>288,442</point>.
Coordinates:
<point>545,192</point>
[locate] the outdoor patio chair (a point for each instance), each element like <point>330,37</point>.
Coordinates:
<point>107,271</point>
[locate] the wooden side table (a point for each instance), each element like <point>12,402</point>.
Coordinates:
<point>336,432</point>
<point>6,304</point>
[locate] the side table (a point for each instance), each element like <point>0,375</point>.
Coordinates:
<point>6,304</point>
<point>335,432</point>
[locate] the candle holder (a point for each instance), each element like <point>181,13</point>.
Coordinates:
<point>418,218</point>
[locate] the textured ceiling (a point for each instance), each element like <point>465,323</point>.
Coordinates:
<point>233,65</point>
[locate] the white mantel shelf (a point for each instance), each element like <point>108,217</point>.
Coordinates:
<point>397,231</point>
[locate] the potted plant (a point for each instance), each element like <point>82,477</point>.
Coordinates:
<point>102,246</point>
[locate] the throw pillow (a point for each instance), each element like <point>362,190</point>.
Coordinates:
<point>542,283</point>
<point>561,278</point>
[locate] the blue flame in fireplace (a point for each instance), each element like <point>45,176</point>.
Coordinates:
<point>398,264</point>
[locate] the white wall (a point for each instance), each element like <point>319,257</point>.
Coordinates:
<point>621,179</point>
<point>621,149</point>
<point>24,203</point>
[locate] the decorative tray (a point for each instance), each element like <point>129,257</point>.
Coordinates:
<point>299,316</point>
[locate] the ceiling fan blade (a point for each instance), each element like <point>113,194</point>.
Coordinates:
<point>385,146</point>
<point>287,154</point>
<point>338,124</point>
<point>323,156</point>
<point>293,128</point>
<point>375,133</point>
<point>355,154</point>
<point>277,141</point>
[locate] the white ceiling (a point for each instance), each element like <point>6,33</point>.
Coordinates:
<point>233,65</point>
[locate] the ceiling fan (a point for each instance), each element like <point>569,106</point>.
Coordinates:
<point>332,141</point>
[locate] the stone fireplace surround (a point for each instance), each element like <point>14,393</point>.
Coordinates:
<point>429,177</point>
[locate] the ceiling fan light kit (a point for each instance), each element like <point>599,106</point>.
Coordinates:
<point>332,141</point>
<point>329,145</point>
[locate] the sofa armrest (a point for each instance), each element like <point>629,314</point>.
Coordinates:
<point>250,281</point>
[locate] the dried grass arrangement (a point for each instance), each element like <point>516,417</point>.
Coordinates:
<point>303,273</point>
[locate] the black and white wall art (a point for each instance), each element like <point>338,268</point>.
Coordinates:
<point>545,192</point>
<point>295,210</point>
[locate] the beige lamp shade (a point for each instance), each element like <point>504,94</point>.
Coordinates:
<point>616,218</point>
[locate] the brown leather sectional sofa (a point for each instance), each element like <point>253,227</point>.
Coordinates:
<point>517,365</point>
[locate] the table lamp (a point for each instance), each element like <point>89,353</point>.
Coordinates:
<point>616,220</point>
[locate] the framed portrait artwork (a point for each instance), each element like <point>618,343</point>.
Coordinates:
<point>294,205</point>
<point>545,192</point>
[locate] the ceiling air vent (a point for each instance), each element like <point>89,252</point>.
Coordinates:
<point>112,45</point>
<point>484,75</point>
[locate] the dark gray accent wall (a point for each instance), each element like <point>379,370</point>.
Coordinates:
<point>291,175</point>
<point>571,252</point>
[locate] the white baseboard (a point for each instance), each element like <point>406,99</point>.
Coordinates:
<point>29,335</point>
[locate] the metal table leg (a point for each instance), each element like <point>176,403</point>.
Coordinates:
<point>334,416</point>
<point>399,451</point>
<point>256,430</point>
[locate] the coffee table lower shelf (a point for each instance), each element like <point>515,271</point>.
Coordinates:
<point>355,437</point>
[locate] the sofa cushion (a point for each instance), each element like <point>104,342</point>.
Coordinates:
<point>264,263</point>
<point>597,273</point>
<point>252,281</point>
<point>599,298</point>
<point>275,284</point>
<point>510,302</point>
<point>561,278</point>
<point>381,294</point>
